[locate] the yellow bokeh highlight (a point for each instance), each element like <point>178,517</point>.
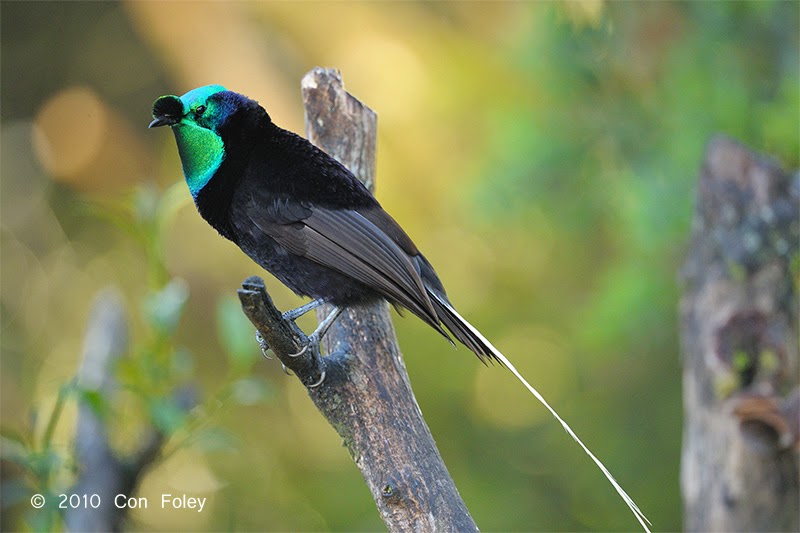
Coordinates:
<point>583,12</point>
<point>70,128</point>
<point>393,77</point>
<point>82,142</point>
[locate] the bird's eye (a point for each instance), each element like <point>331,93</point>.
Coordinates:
<point>199,110</point>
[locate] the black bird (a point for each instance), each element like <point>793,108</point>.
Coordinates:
<point>306,219</point>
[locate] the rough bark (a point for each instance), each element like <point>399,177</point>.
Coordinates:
<point>366,394</point>
<point>739,316</point>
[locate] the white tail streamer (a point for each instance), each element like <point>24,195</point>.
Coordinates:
<point>624,495</point>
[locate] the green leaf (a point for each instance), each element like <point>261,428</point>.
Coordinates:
<point>166,415</point>
<point>63,392</point>
<point>11,435</point>
<point>163,308</point>
<point>170,202</point>
<point>145,203</point>
<point>252,390</point>
<point>236,333</point>
<point>182,362</point>
<point>94,399</point>
<point>43,464</point>
<point>214,439</point>
<point>14,449</point>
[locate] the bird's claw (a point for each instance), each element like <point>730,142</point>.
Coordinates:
<point>263,343</point>
<point>301,352</point>
<point>286,370</point>
<point>319,381</point>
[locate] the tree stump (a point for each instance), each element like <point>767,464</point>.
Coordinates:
<point>739,325</point>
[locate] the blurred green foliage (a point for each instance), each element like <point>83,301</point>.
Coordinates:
<point>543,155</point>
<point>156,377</point>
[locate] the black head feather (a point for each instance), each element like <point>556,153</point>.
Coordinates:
<point>167,111</point>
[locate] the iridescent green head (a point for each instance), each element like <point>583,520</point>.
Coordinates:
<point>195,119</point>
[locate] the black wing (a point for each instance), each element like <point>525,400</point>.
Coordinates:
<point>364,244</point>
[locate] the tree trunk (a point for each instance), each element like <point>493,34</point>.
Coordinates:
<point>739,316</point>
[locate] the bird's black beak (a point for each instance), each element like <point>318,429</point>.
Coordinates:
<point>164,121</point>
<point>167,111</point>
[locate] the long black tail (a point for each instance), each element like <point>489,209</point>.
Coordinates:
<point>467,334</point>
<point>463,331</point>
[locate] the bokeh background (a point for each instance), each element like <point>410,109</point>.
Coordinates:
<point>542,155</point>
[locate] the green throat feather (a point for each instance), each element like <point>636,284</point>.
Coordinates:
<point>201,151</point>
<point>200,147</point>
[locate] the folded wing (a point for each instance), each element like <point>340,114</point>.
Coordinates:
<point>351,243</point>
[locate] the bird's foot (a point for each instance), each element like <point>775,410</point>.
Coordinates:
<point>294,314</point>
<point>316,336</point>
<point>263,344</point>
<point>312,340</point>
